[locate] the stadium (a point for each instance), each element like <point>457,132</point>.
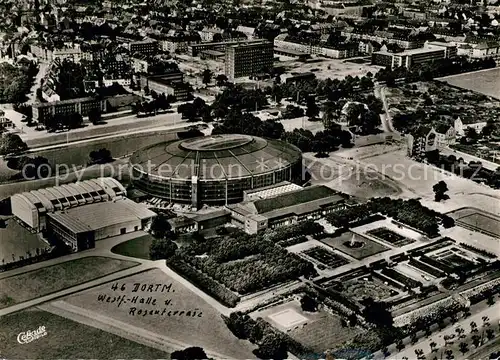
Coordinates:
<point>213,170</point>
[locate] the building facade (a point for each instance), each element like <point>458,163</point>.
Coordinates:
<point>248,59</point>
<point>67,107</point>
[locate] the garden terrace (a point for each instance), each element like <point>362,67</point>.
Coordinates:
<point>406,281</point>
<point>355,245</point>
<point>426,268</point>
<point>244,263</point>
<point>409,212</point>
<point>390,236</point>
<point>455,259</point>
<point>372,286</point>
<point>438,244</point>
<point>326,257</point>
<point>437,264</point>
<point>478,251</point>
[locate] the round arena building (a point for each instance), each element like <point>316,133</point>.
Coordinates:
<point>213,170</point>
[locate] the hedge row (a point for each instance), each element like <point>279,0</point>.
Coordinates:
<point>204,282</point>
<point>426,268</point>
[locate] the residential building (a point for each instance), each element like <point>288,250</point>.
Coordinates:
<point>286,208</point>
<point>196,49</point>
<point>207,34</point>
<point>67,107</point>
<point>246,59</point>
<point>5,123</point>
<point>146,47</point>
<point>421,141</point>
<point>409,58</point>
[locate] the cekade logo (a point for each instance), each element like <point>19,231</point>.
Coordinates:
<point>29,336</point>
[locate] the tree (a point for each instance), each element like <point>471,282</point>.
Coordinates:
<point>439,191</point>
<point>160,227</point>
<point>308,303</point>
<point>433,346</point>
<point>101,156</point>
<point>312,109</point>
<point>12,143</point>
<point>476,340</point>
<point>377,313</point>
<point>400,345</point>
<point>95,116</point>
<point>473,327</point>
<point>221,80</point>
<point>162,249</point>
<point>486,321</point>
<point>463,347</point>
<point>190,353</point>
<point>273,347</point>
<point>449,354</point>
<point>206,76</point>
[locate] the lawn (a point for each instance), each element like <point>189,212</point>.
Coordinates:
<point>138,247</point>
<point>66,339</point>
<point>205,329</point>
<point>390,236</point>
<point>17,240</point>
<point>484,82</point>
<point>369,247</point>
<point>33,284</point>
<point>322,330</point>
<point>482,222</point>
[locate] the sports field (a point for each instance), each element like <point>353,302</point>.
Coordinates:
<point>177,312</point>
<point>485,81</point>
<point>66,339</point>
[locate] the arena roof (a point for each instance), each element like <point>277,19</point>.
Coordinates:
<point>215,157</point>
<point>64,196</point>
<point>100,215</point>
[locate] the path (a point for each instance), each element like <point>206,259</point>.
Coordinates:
<point>492,312</point>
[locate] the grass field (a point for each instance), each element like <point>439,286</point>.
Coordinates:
<point>482,222</point>
<point>33,284</point>
<point>16,240</point>
<point>484,82</point>
<point>138,247</point>
<point>79,154</point>
<point>206,329</point>
<point>369,247</point>
<point>66,339</point>
<point>322,330</point>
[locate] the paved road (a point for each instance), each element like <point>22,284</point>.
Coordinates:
<point>492,312</point>
<point>386,119</point>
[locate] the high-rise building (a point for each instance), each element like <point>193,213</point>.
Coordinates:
<point>246,59</point>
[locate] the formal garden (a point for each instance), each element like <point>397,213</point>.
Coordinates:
<point>390,237</point>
